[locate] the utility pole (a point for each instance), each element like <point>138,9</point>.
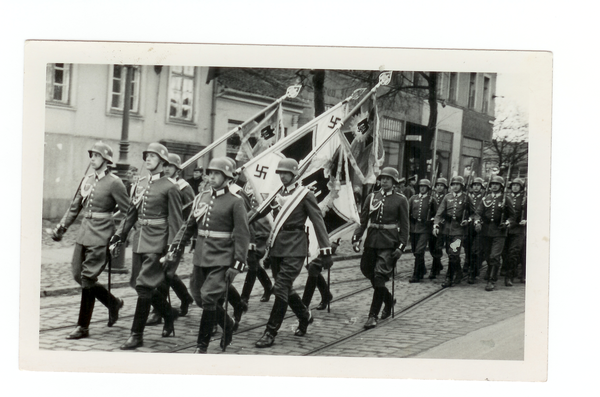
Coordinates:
<point>123,164</point>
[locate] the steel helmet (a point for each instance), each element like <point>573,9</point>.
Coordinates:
<point>442,181</point>
<point>103,150</point>
<point>157,149</point>
<point>391,172</point>
<point>518,181</point>
<point>233,165</point>
<point>288,165</point>
<point>497,179</point>
<point>221,164</point>
<point>457,179</point>
<point>175,160</point>
<point>477,180</point>
<point>425,182</point>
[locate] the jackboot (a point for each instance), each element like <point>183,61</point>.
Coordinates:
<point>266,283</point>
<point>142,309</point>
<point>183,294</point>
<point>449,275</point>
<point>248,285</point>
<point>326,295</point>
<point>86,308</point>
<point>415,276</point>
<point>113,303</point>
<point>309,290</point>
<point>207,322</point>
<point>274,323</point>
<point>389,303</point>
<point>164,310</point>
<point>226,323</point>
<point>491,282</point>
<point>459,274</point>
<point>379,294</point>
<point>238,305</point>
<point>304,315</point>
<point>422,267</point>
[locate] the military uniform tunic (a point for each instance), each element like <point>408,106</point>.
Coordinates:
<point>96,200</point>
<point>421,209</point>
<point>219,219</point>
<point>437,243</point>
<point>156,213</point>
<point>516,232</point>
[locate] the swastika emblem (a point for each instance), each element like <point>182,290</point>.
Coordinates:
<point>363,125</point>
<point>261,171</point>
<point>333,122</point>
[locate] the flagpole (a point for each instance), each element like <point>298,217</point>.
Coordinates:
<point>291,92</point>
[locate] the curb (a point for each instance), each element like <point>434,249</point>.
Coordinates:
<point>74,290</point>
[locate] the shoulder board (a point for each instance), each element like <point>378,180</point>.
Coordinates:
<point>173,181</point>
<point>235,194</point>
<point>399,194</point>
<point>182,184</point>
<point>114,176</point>
<point>234,188</point>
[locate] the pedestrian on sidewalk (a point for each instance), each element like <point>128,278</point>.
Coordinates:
<point>384,217</point>
<point>220,221</point>
<point>156,211</point>
<point>97,197</point>
<point>288,248</point>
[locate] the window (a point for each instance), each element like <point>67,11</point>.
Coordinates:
<point>471,152</point>
<point>486,94</point>
<point>440,86</point>
<point>391,129</point>
<point>181,92</point>
<point>472,89</point>
<point>58,77</point>
<point>453,87</point>
<point>119,74</point>
<point>233,142</point>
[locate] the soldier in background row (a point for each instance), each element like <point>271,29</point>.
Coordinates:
<point>384,217</point>
<point>455,210</point>
<point>156,211</point>
<point>99,194</point>
<point>421,208</point>
<point>438,242</point>
<point>473,245</point>
<point>517,231</point>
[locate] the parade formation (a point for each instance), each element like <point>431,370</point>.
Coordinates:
<point>231,228</point>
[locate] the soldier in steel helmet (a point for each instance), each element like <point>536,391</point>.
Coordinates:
<point>494,213</point>
<point>420,209</point>
<point>456,212</point>
<point>173,171</point>
<point>98,195</point>
<point>219,219</point>
<point>437,243</point>
<point>288,248</point>
<point>473,249</point>
<point>156,212</point>
<point>517,231</point>
<point>384,217</point>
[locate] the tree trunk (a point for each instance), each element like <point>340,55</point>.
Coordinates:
<point>433,113</point>
<point>319,95</point>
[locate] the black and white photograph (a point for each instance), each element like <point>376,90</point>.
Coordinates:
<point>320,205</point>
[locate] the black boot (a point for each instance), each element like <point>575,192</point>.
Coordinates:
<point>142,309</point>
<point>86,309</point>
<point>422,267</point>
<point>248,285</point>
<point>275,320</point>
<point>309,290</point>
<point>326,296</point>
<point>238,305</point>
<point>164,309</point>
<point>449,275</point>
<point>389,303</point>
<point>226,323</point>
<point>435,268</point>
<point>491,281</point>
<point>378,297</point>
<point>207,323</point>
<point>415,276</point>
<point>305,318</point>
<point>459,273</point>
<point>183,294</point>
<point>113,303</point>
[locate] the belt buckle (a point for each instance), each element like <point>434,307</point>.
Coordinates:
<point>144,222</point>
<point>89,215</point>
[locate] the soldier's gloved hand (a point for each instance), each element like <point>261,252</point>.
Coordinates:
<point>464,223</point>
<point>326,261</point>
<point>114,245</point>
<point>267,262</point>
<point>58,232</point>
<point>436,230</point>
<point>230,274</point>
<point>397,254</point>
<point>172,253</point>
<point>523,222</point>
<point>477,227</point>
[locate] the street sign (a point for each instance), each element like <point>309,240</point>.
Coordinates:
<point>413,138</point>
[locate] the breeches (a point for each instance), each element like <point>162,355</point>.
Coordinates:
<point>494,246</point>
<point>208,285</point>
<point>453,246</point>
<point>377,265</point>
<point>146,270</point>
<point>285,271</point>
<point>418,242</point>
<point>87,264</point>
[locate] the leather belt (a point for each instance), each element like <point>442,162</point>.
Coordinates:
<point>214,234</point>
<point>292,227</point>
<point>152,222</point>
<point>98,215</point>
<point>388,226</point>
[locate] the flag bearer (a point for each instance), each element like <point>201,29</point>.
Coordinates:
<point>99,194</point>
<point>288,248</point>
<point>384,217</point>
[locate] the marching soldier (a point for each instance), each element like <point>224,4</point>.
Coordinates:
<point>409,190</point>
<point>219,218</point>
<point>493,216</point>
<point>420,207</point>
<point>288,248</point>
<point>517,230</point>
<point>315,279</point>
<point>100,192</point>
<point>173,171</point>
<point>473,249</point>
<point>384,217</point>
<point>156,212</point>
<point>436,243</point>
<point>455,210</point>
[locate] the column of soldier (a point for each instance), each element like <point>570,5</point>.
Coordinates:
<point>162,214</point>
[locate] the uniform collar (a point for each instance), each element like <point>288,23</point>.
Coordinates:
<point>384,194</point>
<point>101,175</point>
<point>516,194</point>
<point>457,195</point>
<point>291,188</point>
<point>496,195</point>
<point>156,176</point>
<point>219,192</point>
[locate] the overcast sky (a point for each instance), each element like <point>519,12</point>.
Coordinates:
<point>513,87</point>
